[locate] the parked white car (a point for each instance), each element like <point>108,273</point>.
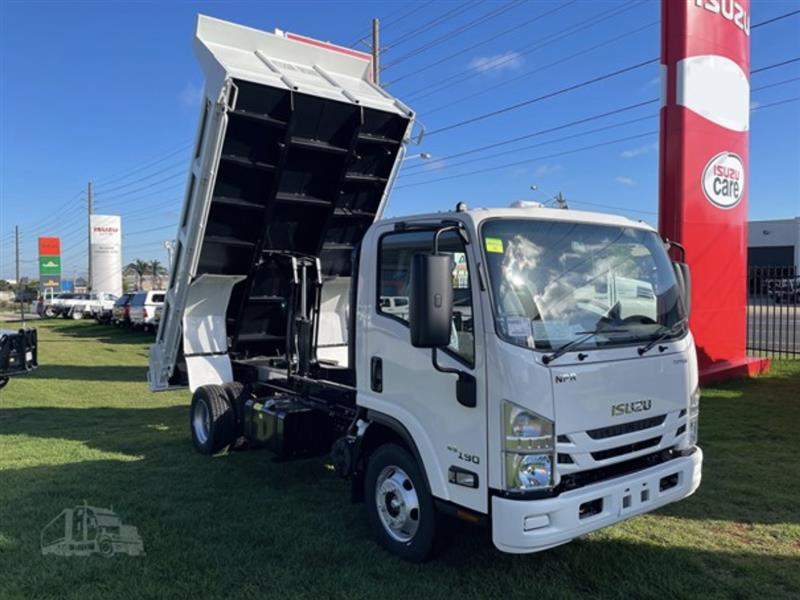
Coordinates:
<point>143,308</point>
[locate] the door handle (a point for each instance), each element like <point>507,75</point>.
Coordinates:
<point>376,374</point>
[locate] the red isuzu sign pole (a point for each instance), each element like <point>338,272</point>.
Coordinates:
<point>705,120</point>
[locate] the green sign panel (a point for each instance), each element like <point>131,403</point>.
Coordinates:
<point>49,265</point>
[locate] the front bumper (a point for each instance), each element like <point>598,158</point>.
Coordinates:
<point>520,526</point>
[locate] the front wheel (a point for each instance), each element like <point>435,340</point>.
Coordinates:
<point>399,506</point>
<point>49,312</point>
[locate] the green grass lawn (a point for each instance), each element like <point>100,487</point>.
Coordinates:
<point>85,427</point>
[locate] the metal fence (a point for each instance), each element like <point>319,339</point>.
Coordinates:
<point>773,312</point>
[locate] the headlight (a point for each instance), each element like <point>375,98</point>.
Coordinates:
<point>694,416</point>
<point>529,444</point>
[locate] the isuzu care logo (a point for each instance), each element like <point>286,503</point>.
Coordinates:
<point>723,180</point>
<point>727,9</point>
<point>627,408</point>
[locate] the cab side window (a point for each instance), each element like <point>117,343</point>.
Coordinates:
<point>394,280</point>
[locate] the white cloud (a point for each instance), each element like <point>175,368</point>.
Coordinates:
<point>544,170</point>
<point>633,152</point>
<point>629,181</point>
<point>191,94</point>
<point>507,61</point>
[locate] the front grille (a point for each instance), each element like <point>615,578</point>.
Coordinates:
<point>615,430</point>
<point>626,449</point>
<point>573,481</point>
<point>565,459</point>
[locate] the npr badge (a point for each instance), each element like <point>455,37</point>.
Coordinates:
<point>723,180</point>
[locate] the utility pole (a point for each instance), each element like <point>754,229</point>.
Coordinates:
<point>19,283</point>
<point>376,52</point>
<point>89,204</point>
<point>561,201</point>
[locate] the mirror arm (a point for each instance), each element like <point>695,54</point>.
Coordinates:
<point>466,392</point>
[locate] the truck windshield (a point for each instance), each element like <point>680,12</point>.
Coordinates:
<point>554,282</point>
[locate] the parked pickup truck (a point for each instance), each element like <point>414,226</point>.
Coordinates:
<point>96,305</point>
<point>542,379</point>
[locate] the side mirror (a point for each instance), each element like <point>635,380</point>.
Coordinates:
<point>684,279</point>
<point>430,312</point>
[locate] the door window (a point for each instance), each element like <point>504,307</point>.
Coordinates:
<point>394,280</point>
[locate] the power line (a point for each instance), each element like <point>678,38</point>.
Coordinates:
<point>775,66</point>
<point>778,18</point>
<point>460,53</point>
<point>528,160</point>
<point>580,121</point>
<point>111,201</point>
<point>562,60</point>
<point>389,21</point>
<point>433,23</point>
<point>456,32</point>
<point>525,50</point>
<point>778,103</point>
<point>573,151</point>
<point>577,86</point>
<point>150,163</point>
<point>105,191</point>
<point>545,131</point>
<point>547,96</point>
<point>538,145</point>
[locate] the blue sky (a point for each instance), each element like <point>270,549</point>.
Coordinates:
<point>110,91</point>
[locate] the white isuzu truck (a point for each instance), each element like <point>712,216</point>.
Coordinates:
<point>528,369</point>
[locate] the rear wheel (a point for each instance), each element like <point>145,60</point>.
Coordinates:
<point>399,506</point>
<point>3,382</point>
<point>77,315</point>
<point>211,419</point>
<point>237,397</point>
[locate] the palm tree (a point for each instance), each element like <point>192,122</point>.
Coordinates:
<point>140,267</point>
<point>156,270</point>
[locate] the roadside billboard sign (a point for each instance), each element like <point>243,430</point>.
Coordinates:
<point>49,263</point>
<point>106,248</point>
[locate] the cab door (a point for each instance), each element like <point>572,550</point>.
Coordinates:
<point>400,381</point>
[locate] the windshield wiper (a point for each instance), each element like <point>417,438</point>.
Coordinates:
<point>665,332</point>
<point>565,348</point>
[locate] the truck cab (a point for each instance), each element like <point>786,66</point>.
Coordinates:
<point>527,369</point>
<point>571,422</point>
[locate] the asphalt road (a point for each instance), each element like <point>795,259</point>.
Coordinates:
<point>774,328</point>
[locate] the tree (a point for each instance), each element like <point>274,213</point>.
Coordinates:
<point>141,269</point>
<point>156,270</point>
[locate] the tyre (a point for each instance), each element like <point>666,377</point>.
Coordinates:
<point>211,420</point>
<point>3,382</point>
<point>237,397</point>
<point>399,506</point>
<point>106,548</point>
<point>77,315</point>
<point>49,312</point>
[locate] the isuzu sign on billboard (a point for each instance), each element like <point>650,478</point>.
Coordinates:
<point>705,121</point>
<point>106,243</point>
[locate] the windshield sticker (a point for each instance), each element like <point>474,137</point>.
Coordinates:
<point>494,245</point>
<point>518,327</point>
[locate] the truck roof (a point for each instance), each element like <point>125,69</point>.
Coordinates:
<point>478,215</point>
